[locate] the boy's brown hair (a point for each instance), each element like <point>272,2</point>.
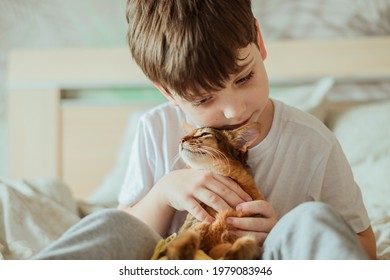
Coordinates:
<point>189,46</point>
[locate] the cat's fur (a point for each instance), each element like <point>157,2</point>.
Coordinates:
<point>223,152</point>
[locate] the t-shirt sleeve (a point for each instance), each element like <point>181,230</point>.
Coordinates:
<point>139,177</point>
<point>153,153</point>
<point>341,191</point>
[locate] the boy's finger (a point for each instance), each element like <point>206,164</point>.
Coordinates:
<point>196,210</point>
<point>224,192</point>
<point>233,186</point>
<point>254,224</point>
<point>260,207</point>
<point>212,199</point>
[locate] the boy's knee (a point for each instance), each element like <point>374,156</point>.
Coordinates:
<point>312,230</point>
<point>108,215</point>
<point>115,218</point>
<point>113,213</point>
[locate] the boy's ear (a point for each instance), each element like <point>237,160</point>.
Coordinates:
<point>166,94</point>
<point>260,42</point>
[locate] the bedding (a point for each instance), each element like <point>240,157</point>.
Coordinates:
<point>33,214</point>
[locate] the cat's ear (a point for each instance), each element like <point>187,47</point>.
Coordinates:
<point>187,127</point>
<point>246,135</point>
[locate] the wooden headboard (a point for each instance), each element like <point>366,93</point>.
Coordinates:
<point>77,141</point>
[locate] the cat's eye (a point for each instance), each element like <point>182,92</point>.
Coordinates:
<point>204,134</point>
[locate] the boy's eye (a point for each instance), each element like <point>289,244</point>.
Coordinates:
<point>246,78</point>
<point>202,101</point>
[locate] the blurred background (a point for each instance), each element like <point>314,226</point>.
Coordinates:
<point>48,24</point>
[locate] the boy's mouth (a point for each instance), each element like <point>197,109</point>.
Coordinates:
<point>234,126</point>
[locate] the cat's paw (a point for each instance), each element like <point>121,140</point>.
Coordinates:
<point>244,248</point>
<point>219,251</point>
<point>184,247</point>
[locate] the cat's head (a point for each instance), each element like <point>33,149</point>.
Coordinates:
<point>204,148</point>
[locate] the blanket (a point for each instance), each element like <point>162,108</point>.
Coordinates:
<point>33,213</point>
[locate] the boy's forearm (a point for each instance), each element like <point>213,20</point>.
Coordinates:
<point>152,211</point>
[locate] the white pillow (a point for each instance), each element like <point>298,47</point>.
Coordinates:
<point>364,134</point>
<point>363,130</point>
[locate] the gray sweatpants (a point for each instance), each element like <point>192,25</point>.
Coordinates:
<point>310,231</point>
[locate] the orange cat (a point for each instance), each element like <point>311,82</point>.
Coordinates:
<point>223,152</point>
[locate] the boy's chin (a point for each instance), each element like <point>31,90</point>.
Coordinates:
<point>235,126</point>
<point>252,118</point>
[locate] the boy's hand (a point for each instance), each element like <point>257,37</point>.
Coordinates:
<point>259,227</point>
<point>186,189</point>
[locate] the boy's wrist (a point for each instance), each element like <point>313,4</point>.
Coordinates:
<point>159,196</point>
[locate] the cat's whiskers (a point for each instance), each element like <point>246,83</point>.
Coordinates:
<point>216,155</point>
<point>203,153</point>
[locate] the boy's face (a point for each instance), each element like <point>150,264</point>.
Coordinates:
<point>243,99</point>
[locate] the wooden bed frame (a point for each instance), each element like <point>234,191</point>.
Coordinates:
<point>77,142</point>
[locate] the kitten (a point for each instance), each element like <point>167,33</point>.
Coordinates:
<point>223,152</point>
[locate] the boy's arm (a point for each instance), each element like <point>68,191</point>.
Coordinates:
<point>367,240</point>
<point>152,211</point>
<point>186,189</point>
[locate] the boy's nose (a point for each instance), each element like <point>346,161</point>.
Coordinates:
<point>234,109</point>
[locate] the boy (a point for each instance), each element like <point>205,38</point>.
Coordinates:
<point>207,58</point>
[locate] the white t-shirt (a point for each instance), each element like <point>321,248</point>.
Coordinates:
<point>299,160</point>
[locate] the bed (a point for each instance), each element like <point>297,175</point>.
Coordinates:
<point>72,114</point>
